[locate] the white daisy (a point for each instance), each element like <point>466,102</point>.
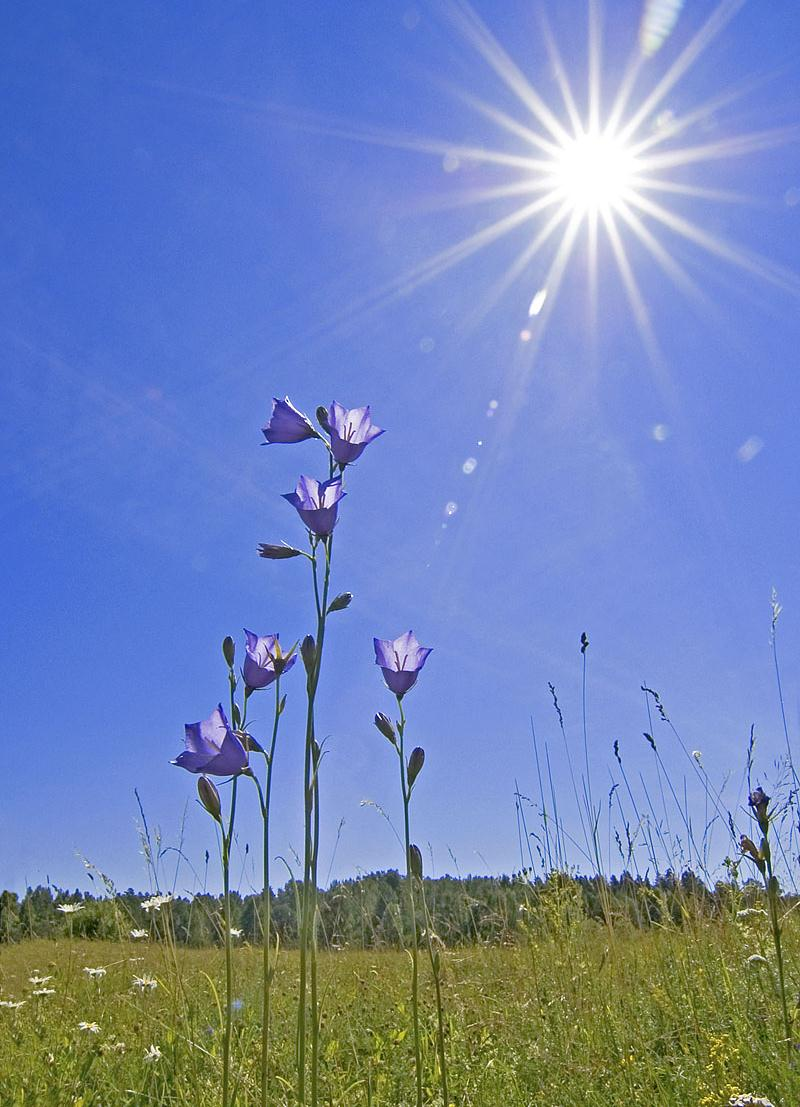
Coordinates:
<point>90,1027</point>
<point>145,983</point>
<point>155,903</point>
<point>95,973</point>
<point>70,908</point>
<point>136,934</point>
<point>153,1053</point>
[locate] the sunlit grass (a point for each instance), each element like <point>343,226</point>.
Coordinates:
<point>570,1015</point>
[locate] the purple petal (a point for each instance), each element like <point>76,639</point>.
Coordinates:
<point>384,654</point>
<point>193,762</point>
<point>257,676</point>
<point>286,424</point>
<point>230,760</point>
<point>399,683</point>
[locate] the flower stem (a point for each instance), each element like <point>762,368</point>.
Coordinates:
<point>227,837</point>
<point>401,726</point>
<point>308,943</point>
<point>266,922</point>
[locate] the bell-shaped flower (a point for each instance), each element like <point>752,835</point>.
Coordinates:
<point>400,661</point>
<point>287,424</point>
<point>264,660</point>
<point>351,432</point>
<point>317,503</point>
<point>212,747</point>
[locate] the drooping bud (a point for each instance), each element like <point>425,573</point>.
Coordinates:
<point>584,642</point>
<point>748,846</point>
<point>386,727</point>
<point>759,801</point>
<point>415,763</point>
<point>228,650</point>
<point>343,600</point>
<point>322,419</point>
<point>277,553</point>
<point>209,797</point>
<point>415,861</point>
<point>308,652</point>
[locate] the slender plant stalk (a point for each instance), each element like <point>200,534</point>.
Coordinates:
<point>308,943</point>
<point>436,970</point>
<point>773,894</point>
<point>401,726</point>
<point>227,838</point>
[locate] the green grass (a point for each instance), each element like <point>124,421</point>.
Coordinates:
<point>578,1016</point>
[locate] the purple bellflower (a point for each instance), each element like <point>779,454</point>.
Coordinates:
<point>212,747</point>
<point>400,661</point>
<point>351,432</point>
<point>317,503</point>
<point>287,424</point>
<point>264,661</point>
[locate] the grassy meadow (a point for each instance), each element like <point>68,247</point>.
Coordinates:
<point>574,1012</point>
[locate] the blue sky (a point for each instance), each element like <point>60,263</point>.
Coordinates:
<point>208,205</point>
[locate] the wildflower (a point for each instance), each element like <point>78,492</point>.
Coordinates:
<point>212,747</point>
<point>400,661</point>
<point>757,959</point>
<point>145,983</point>
<point>95,974</point>
<point>12,1004</point>
<point>698,756</point>
<point>286,424</point>
<point>155,903</point>
<point>43,992</point>
<point>89,1027</point>
<point>317,503</point>
<point>759,801</point>
<point>748,1101</point>
<point>264,662</point>
<point>751,913</point>
<point>152,1053</point>
<point>70,908</point>
<point>351,432</point>
<point>236,932</point>
<point>136,934</point>
<point>37,979</point>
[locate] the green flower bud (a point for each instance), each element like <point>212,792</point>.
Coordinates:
<point>228,651</point>
<point>415,763</point>
<point>322,419</point>
<point>415,861</point>
<point>278,553</point>
<point>386,727</point>
<point>343,600</point>
<point>308,652</point>
<point>209,797</point>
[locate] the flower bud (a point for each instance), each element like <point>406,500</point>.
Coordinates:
<point>386,727</point>
<point>308,652</point>
<point>341,601</point>
<point>322,419</point>
<point>277,553</point>
<point>748,846</point>
<point>415,763</point>
<point>228,650</point>
<point>415,861</point>
<point>584,642</point>
<point>209,797</point>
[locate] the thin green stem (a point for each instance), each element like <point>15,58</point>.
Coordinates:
<point>308,945</point>
<point>227,837</point>
<point>773,893</point>
<point>401,726</point>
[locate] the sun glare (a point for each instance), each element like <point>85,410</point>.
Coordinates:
<point>594,172</point>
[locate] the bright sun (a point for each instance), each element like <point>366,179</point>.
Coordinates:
<point>594,172</point>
